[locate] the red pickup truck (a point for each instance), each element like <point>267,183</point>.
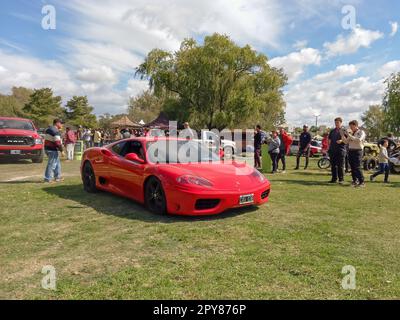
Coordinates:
<point>19,140</point>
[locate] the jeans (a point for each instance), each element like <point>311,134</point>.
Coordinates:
<point>274,158</point>
<point>355,159</point>
<point>53,168</point>
<point>337,165</point>
<point>282,157</point>
<point>384,168</point>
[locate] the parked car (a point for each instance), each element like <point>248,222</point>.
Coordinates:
<point>152,172</point>
<point>316,149</point>
<point>228,146</point>
<point>19,139</point>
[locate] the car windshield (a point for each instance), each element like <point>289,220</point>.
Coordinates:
<point>16,124</point>
<point>179,151</point>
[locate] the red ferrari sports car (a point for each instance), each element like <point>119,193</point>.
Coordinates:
<point>173,176</point>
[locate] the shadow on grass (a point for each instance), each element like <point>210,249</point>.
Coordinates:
<point>109,204</point>
<point>303,182</point>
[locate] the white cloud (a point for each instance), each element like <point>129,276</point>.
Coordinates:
<point>300,44</point>
<point>389,68</point>
<point>395,28</point>
<point>340,72</point>
<point>294,63</point>
<point>358,38</point>
<point>102,74</point>
<point>331,99</point>
<point>136,87</point>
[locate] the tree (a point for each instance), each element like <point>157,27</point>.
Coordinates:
<point>218,84</point>
<point>145,107</point>
<point>374,121</point>
<point>79,112</point>
<point>391,103</point>
<point>12,105</point>
<point>43,107</point>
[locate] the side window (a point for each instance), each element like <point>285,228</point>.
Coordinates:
<point>118,148</point>
<point>133,147</point>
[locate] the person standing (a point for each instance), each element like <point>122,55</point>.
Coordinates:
<point>87,136</point>
<point>304,147</point>
<point>70,140</point>
<point>355,139</point>
<point>273,149</point>
<point>257,147</point>
<point>97,138</point>
<point>52,145</point>
<point>384,167</point>
<point>337,152</point>
<point>284,147</point>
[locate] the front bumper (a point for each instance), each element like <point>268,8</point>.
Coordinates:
<point>183,202</point>
<point>20,152</point>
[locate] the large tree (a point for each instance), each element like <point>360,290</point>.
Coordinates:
<point>43,107</point>
<point>391,103</point>
<point>219,84</point>
<point>12,105</point>
<point>374,121</point>
<point>79,112</point>
<point>145,107</point>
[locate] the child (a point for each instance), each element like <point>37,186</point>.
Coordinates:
<point>383,162</point>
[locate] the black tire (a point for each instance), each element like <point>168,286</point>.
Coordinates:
<point>154,196</point>
<point>89,178</point>
<point>324,163</point>
<point>394,169</point>
<point>38,159</point>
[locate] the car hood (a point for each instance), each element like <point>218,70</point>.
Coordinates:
<point>223,176</point>
<point>17,132</point>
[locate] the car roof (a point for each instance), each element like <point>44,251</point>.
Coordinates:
<point>15,118</point>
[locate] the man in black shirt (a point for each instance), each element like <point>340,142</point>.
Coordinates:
<point>304,147</point>
<point>257,147</point>
<point>337,152</point>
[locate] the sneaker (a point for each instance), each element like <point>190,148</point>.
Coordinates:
<point>59,179</point>
<point>341,182</point>
<point>360,185</point>
<point>283,171</point>
<point>372,178</point>
<point>332,181</point>
<point>297,168</point>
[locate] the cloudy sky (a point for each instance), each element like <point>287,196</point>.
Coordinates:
<point>336,66</point>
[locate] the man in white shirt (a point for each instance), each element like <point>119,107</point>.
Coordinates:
<point>355,139</point>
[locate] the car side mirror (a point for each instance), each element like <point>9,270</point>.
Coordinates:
<point>134,157</point>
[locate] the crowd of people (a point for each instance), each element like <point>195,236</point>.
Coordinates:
<point>345,148</point>
<point>342,145</point>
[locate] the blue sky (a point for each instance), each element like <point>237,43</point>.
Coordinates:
<point>97,44</point>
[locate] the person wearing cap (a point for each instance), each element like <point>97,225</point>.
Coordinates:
<point>52,145</point>
<point>304,147</point>
<point>337,152</point>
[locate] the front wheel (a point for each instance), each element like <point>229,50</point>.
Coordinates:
<point>89,178</point>
<point>324,163</point>
<point>38,159</point>
<point>155,197</point>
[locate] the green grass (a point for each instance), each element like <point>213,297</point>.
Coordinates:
<point>104,246</point>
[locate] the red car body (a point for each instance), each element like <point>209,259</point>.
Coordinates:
<point>19,140</point>
<point>201,188</point>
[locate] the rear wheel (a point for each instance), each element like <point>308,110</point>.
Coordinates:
<point>89,178</point>
<point>155,197</point>
<point>324,163</point>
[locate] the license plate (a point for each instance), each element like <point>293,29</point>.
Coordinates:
<point>15,151</point>
<point>246,199</point>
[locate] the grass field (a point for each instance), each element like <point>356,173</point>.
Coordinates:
<point>103,246</point>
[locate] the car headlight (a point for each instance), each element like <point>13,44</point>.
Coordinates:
<point>258,175</point>
<point>193,180</point>
<point>38,141</point>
